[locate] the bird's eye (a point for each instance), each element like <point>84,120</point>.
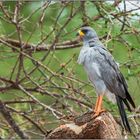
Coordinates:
<point>84,31</point>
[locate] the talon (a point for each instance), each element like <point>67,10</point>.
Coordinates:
<point>97,113</point>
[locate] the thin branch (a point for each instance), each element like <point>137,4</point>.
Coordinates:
<point>55,112</point>
<point>6,114</point>
<point>28,118</point>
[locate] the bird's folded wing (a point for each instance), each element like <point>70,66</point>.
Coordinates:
<point>110,73</point>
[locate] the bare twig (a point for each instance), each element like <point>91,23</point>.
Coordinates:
<point>6,114</point>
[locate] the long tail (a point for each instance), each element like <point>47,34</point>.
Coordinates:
<point>130,99</point>
<point>122,113</point>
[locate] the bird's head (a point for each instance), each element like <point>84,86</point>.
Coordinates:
<point>87,33</point>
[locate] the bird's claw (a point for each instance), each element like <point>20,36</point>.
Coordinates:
<point>97,113</point>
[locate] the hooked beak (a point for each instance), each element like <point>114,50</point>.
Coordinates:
<point>80,33</point>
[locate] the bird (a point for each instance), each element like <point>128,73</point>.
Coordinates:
<point>104,74</point>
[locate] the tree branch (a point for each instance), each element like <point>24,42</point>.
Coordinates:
<point>6,114</point>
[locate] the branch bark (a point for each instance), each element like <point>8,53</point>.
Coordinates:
<point>102,127</point>
<point>6,114</point>
<point>43,47</point>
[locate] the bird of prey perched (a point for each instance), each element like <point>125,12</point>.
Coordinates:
<point>104,74</point>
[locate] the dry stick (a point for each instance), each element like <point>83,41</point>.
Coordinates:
<point>55,96</point>
<point>59,33</point>
<point>42,16</point>
<point>98,7</point>
<point>84,14</point>
<point>116,3</point>
<point>122,13</point>
<point>58,70</point>
<point>28,118</point>
<point>38,86</point>
<point>61,96</point>
<point>39,63</point>
<point>32,59</point>
<point>6,114</point>
<point>46,37</point>
<point>49,49</point>
<point>55,112</point>
<point>40,89</point>
<point>19,102</point>
<point>42,65</point>
<point>31,47</point>
<point>52,45</point>
<point>49,79</point>
<point>7,81</point>
<point>124,17</point>
<point>54,28</point>
<point>18,29</point>
<point>45,5</point>
<point>25,54</point>
<point>115,15</point>
<point>14,68</point>
<point>5,12</point>
<point>13,47</point>
<point>62,79</point>
<point>65,45</point>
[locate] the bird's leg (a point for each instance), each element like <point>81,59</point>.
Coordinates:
<point>98,107</point>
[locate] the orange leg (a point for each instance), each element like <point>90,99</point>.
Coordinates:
<point>98,107</point>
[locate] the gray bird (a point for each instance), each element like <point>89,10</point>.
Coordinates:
<point>104,74</point>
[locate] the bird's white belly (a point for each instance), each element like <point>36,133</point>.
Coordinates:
<point>94,75</point>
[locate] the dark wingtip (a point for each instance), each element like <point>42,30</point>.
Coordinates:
<point>127,104</point>
<point>129,98</point>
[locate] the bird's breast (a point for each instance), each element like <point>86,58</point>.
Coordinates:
<point>92,67</point>
<point>84,56</point>
<point>87,57</point>
<point>92,70</point>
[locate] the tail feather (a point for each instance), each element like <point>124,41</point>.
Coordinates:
<point>122,113</point>
<point>127,104</point>
<point>129,98</point>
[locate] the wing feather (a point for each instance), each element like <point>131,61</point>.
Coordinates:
<point>110,73</point>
